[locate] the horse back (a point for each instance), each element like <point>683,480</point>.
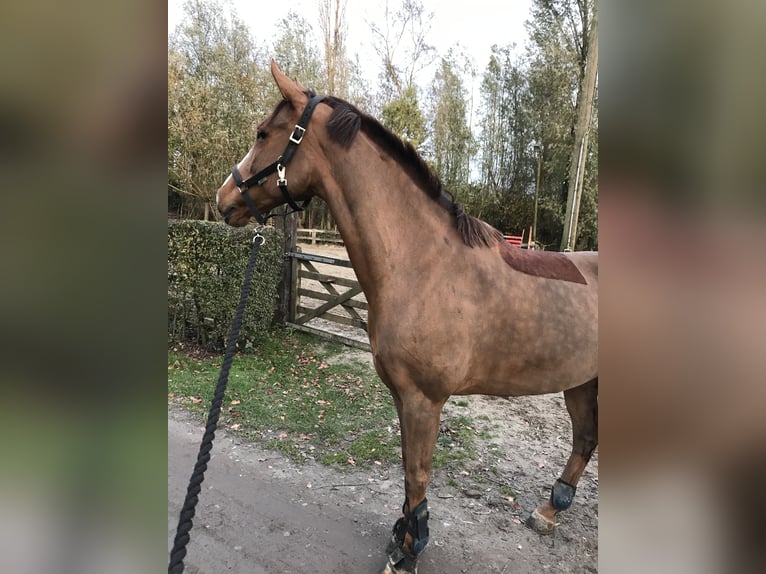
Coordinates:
<point>572,267</point>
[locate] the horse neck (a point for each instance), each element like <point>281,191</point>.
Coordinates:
<point>384,218</point>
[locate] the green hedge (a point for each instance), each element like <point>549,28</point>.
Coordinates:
<point>206,267</point>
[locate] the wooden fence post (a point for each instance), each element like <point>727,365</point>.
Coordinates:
<point>294,265</point>
<point>287,289</point>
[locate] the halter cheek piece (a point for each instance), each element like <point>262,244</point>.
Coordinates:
<point>278,166</point>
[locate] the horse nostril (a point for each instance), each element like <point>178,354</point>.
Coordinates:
<point>226,212</point>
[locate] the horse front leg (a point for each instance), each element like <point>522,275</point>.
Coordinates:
<point>419,420</point>
<point>582,404</point>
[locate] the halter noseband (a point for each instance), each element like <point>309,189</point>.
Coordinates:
<point>278,166</point>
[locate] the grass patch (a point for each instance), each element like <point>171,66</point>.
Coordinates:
<point>506,491</point>
<point>292,396</point>
<point>484,434</point>
<point>456,443</point>
<point>289,395</point>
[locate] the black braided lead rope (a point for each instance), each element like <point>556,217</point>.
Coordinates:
<point>177,554</point>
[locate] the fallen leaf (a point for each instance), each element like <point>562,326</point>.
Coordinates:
<point>171,395</point>
<point>516,521</point>
<point>235,426</point>
<point>195,400</point>
<point>235,402</point>
<point>351,460</point>
<point>282,436</point>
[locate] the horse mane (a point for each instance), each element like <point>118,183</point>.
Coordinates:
<point>345,122</point>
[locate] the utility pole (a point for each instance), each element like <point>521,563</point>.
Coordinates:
<point>539,149</point>
<point>582,128</point>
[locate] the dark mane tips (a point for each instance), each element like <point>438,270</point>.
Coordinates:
<point>344,123</point>
<point>475,232</point>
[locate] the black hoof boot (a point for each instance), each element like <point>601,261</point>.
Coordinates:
<point>562,494</point>
<point>415,523</point>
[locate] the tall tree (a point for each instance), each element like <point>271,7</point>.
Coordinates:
<point>295,51</point>
<point>334,26</point>
<point>217,87</point>
<point>403,116</point>
<point>451,141</point>
<point>507,157</point>
<point>505,124</point>
<point>401,45</point>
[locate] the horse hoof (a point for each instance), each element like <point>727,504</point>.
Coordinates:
<point>400,562</point>
<point>540,523</point>
<point>404,568</point>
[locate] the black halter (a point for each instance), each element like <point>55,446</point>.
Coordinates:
<point>278,166</point>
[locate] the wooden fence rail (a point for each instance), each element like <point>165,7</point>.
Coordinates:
<point>317,236</point>
<point>321,295</point>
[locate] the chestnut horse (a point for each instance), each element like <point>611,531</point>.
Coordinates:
<point>453,309</point>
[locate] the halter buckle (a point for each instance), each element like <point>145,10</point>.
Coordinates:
<point>296,139</point>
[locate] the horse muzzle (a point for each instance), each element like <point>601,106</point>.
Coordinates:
<point>226,212</point>
<point>235,214</point>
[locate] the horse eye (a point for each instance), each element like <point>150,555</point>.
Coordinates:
<point>261,135</point>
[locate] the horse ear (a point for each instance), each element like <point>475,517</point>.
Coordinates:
<point>291,91</point>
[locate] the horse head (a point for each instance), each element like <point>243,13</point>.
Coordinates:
<point>278,167</point>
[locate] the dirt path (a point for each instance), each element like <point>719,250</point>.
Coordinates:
<point>260,512</point>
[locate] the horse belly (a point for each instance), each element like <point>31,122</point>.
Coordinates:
<point>445,362</point>
<point>545,348</point>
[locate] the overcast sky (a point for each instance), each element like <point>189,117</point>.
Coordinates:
<point>476,24</point>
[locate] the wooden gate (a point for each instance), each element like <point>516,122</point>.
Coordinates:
<point>327,301</point>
